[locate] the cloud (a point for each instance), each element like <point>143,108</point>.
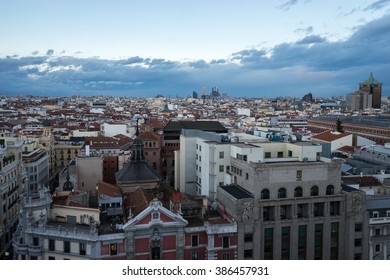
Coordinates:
<point>287,6</point>
<point>308,30</point>
<point>291,69</point>
<point>50,52</point>
<point>312,39</point>
<point>378,5</point>
<point>35,53</point>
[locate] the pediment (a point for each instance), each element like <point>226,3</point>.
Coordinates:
<point>155,214</point>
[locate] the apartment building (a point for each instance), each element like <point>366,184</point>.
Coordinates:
<point>13,178</point>
<point>36,163</point>
<point>289,203</point>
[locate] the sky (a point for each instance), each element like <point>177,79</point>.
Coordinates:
<point>248,48</point>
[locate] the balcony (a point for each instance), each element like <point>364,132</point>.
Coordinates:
<point>37,201</point>
<point>21,249</point>
<point>35,250</point>
<point>220,228</point>
<point>65,230</point>
<point>380,220</point>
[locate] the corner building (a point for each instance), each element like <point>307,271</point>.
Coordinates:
<point>289,203</point>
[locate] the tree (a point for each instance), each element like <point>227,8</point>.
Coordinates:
<point>339,126</point>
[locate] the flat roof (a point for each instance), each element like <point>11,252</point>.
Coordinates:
<point>237,191</point>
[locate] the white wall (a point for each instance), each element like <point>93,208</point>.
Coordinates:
<point>110,130</point>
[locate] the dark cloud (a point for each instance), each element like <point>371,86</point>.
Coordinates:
<point>291,69</point>
<point>312,39</point>
<point>50,52</point>
<point>286,6</point>
<point>378,5</point>
<point>199,64</point>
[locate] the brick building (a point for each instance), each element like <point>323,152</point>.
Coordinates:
<point>374,128</point>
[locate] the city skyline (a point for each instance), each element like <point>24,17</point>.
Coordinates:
<point>122,48</point>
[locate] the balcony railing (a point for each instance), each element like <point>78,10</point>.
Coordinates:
<point>380,220</point>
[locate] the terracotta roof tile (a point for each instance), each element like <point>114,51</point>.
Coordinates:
<point>329,136</point>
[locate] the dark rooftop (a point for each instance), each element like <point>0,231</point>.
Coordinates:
<point>237,191</point>
<point>200,125</point>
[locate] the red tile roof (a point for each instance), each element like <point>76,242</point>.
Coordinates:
<point>330,136</point>
<point>109,189</point>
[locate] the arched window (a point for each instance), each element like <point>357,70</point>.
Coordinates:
<point>314,191</point>
<point>265,194</point>
<point>282,193</point>
<point>329,190</point>
<point>298,192</point>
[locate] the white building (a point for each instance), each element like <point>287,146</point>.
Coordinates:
<point>203,161</point>
<point>110,130</point>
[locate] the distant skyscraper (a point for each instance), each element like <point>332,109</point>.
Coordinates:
<point>373,87</point>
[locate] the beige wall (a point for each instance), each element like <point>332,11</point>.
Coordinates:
<point>89,171</point>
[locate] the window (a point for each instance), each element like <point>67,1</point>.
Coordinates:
<point>156,215</point>
<point>36,241</point>
<point>358,242</point>
<point>377,231</point>
<point>82,249</point>
<point>318,235</point>
<point>290,153</point>
<point>299,175</point>
<point>302,237</point>
<point>298,192</point>
<point>195,255</point>
<point>225,256</point>
<point>375,214</point>
<point>195,240</point>
<point>225,242</point>
<point>358,227</point>
<point>329,190</point>
<point>280,154</point>
<point>221,168</point>
<point>248,237</point>
<point>52,245</point>
<point>265,194</point>
<point>334,208</point>
<point>248,254</point>
<point>377,247</point>
<point>113,249</point>
<point>267,155</point>
<point>282,193</point>
<point>283,212</point>
<point>285,252</point>
<point>318,209</point>
<point>66,247</point>
<point>221,154</point>
<point>268,243</point>
<point>314,191</point>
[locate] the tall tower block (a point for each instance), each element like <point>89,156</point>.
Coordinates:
<point>373,87</point>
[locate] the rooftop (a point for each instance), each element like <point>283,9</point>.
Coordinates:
<point>237,191</point>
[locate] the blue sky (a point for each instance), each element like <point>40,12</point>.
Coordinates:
<point>142,48</point>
